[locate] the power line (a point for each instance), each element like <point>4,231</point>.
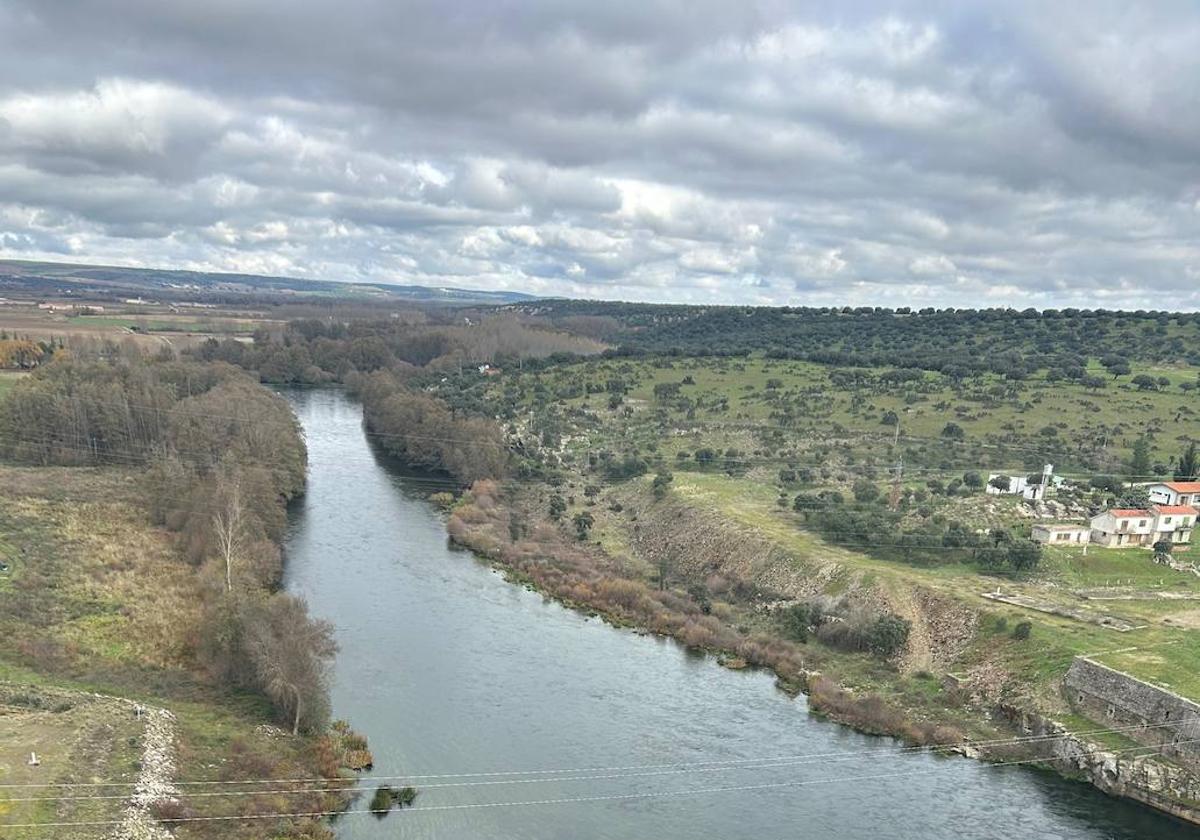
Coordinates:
<point>571,773</point>
<point>594,798</point>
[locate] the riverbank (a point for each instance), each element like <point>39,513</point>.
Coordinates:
<point>900,698</point>
<point>97,610</point>
<point>596,732</point>
<point>148,651</point>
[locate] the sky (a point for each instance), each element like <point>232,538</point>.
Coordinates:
<point>894,154</point>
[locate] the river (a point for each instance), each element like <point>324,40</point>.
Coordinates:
<point>449,669</point>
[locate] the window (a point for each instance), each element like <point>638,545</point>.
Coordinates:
<point>1141,523</point>
<point>1167,520</point>
<point>1125,525</point>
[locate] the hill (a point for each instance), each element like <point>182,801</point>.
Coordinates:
<point>44,278</point>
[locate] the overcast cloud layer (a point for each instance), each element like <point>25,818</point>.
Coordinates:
<point>1041,154</point>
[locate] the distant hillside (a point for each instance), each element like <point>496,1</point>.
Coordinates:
<point>956,341</point>
<point>43,278</point>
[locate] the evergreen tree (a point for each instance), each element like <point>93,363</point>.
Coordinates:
<point>1189,464</point>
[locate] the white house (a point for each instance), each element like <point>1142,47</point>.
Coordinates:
<point>1020,484</point>
<point>1174,492</point>
<point>1016,484</point>
<point>1134,526</point>
<point>1061,534</point>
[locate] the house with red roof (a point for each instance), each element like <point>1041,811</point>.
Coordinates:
<point>1122,527</point>
<point>1174,492</point>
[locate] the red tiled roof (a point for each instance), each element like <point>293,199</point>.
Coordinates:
<point>1172,509</point>
<point>1184,486</point>
<point>1128,513</point>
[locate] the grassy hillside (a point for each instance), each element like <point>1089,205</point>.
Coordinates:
<point>805,412</point>
<point>772,430</point>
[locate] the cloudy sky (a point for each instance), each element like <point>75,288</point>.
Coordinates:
<point>959,153</point>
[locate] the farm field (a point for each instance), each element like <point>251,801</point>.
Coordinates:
<point>149,329</point>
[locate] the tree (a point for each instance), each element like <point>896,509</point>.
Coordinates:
<point>661,482</point>
<point>1189,464</point>
<point>1024,555</point>
<point>953,431</point>
<point>795,622</point>
<point>1145,382</point>
<point>973,480</point>
<point>583,524</point>
<point>229,527</point>
<point>1121,369</point>
<point>291,654</point>
<point>1139,464</point>
<point>865,491</point>
<point>558,506</point>
<point>888,635</point>
<point>1135,498</point>
<point>1000,482</point>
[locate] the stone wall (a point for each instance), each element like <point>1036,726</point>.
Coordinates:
<point>1116,699</point>
<point>1164,785</point>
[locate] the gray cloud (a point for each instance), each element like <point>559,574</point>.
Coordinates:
<point>771,152</point>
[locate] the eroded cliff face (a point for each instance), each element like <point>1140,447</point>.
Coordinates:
<point>700,545</point>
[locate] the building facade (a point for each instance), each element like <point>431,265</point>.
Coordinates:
<point>1061,534</point>
<point>1121,527</point>
<point>1174,492</point>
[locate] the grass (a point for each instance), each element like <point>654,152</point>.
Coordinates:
<point>1166,654</point>
<point>97,600</point>
<point>1012,419</point>
<point>7,380</point>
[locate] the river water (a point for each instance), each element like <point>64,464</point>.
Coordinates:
<point>449,669</point>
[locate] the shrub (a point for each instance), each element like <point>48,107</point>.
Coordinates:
<point>888,635</point>
<point>1023,630</point>
<point>382,801</point>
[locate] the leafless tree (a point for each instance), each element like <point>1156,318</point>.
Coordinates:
<point>291,653</point>
<point>229,528</point>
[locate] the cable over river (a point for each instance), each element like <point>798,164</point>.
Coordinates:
<point>449,669</point>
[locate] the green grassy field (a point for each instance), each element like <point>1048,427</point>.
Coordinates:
<point>784,405</point>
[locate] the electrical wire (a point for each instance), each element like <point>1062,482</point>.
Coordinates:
<point>585,799</point>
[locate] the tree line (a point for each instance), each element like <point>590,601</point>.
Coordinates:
<point>423,431</point>
<point>954,341</point>
<point>221,456</point>
<point>312,351</point>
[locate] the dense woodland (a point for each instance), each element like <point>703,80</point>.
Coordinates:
<point>222,455</point>
<point>311,351</point>
<point>1001,340</point>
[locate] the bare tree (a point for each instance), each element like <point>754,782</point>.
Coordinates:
<point>229,528</point>
<point>291,653</point>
